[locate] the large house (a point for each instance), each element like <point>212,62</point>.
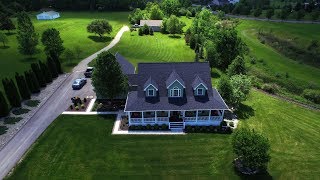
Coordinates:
<point>175,94</point>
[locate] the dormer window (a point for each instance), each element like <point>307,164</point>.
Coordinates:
<point>151,92</point>
<point>175,92</point>
<point>200,92</point>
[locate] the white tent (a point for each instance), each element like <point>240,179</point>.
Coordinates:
<point>49,15</point>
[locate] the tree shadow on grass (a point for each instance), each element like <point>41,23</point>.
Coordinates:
<point>261,176</point>
<point>29,59</point>
<point>4,47</point>
<point>244,111</point>
<point>215,74</point>
<point>100,39</point>
<point>175,36</point>
<point>70,64</point>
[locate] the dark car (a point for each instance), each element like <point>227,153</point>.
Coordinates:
<point>88,72</point>
<point>79,83</point>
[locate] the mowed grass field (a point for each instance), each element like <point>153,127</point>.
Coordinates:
<point>72,27</point>
<point>301,34</point>
<point>82,147</point>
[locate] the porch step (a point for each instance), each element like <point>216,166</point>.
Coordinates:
<point>176,125</point>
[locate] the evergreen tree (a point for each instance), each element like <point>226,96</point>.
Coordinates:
<point>32,82</point>
<point>107,78</point>
<point>23,87</point>
<point>225,89</point>
<point>52,41</point>
<point>7,24</point>
<point>29,82</point>
<point>4,108</point>
<point>238,66</point>
<point>52,67</point>
<point>11,92</point>
<point>46,72</point>
<point>40,77</point>
<point>56,61</point>
<point>27,37</point>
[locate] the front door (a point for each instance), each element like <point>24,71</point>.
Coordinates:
<point>175,116</point>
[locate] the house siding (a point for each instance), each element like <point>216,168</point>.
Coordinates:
<point>150,87</point>
<point>200,86</point>
<point>175,84</point>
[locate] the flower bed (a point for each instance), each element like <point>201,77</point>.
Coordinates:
<point>79,105</point>
<point>208,129</point>
<point>102,105</point>
<point>149,127</point>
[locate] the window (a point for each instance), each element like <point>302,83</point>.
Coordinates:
<point>175,92</point>
<point>200,91</point>
<point>151,92</point>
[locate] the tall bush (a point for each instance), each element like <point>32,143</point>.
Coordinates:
<point>11,92</point>
<point>4,108</point>
<point>23,87</point>
<point>37,71</point>
<point>52,67</point>
<point>46,72</point>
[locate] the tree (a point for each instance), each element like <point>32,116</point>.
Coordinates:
<point>257,12</point>
<point>46,72</point>
<point>56,61</point>
<point>229,46</point>
<point>140,32</point>
<point>3,39</point>
<point>137,15</point>
<point>32,81</point>
<point>174,25</point>
<point>4,107</point>
<point>170,7</point>
<point>241,86</point>
<point>107,78</point>
<point>315,15</point>
<point>252,149</point>
<point>52,67</point>
<point>212,55</point>
<point>40,77</point>
<point>23,87</point>
<point>11,92</point>
<point>52,42</point>
<point>299,14</point>
<point>100,27</point>
<point>270,13</point>
<point>78,51</point>
<point>225,89</point>
<point>145,29</point>
<point>283,14</point>
<point>7,24</point>
<point>221,14</point>
<point>155,12</point>
<point>27,37</point>
<point>238,66</point>
<point>69,55</point>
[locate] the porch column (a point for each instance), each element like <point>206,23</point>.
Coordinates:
<point>222,115</point>
<point>183,113</point>
<point>209,115</point>
<point>129,118</point>
<point>142,114</point>
<point>155,117</point>
<point>197,116</point>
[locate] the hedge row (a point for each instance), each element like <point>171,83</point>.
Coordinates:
<point>149,127</point>
<point>208,129</point>
<point>30,82</point>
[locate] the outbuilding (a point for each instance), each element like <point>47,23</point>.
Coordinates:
<point>48,15</point>
<point>154,24</point>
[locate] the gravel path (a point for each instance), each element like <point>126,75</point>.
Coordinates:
<point>13,151</point>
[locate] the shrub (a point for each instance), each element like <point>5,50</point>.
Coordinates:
<point>188,128</point>
<point>151,31</point>
<point>77,108</point>
<point>140,31</point>
<point>252,149</point>
<point>253,60</point>
<point>3,129</point>
<point>312,95</point>
<point>139,127</point>
<point>22,86</point>
<point>164,127</point>
<point>223,123</point>
<point>82,106</point>
<point>71,107</point>
<point>84,100</point>
<point>32,103</point>
<point>132,127</point>
<point>197,128</point>
<point>39,74</point>
<point>4,108</point>
<point>156,127</point>
<point>20,111</point>
<point>270,88</point>
<point>148,127</point>
<point>11,92</point>
<point>12,120</point>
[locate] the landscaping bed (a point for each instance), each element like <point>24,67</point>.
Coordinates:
<point>79,104</point>
<point>149,127</point>
<point>106,105</point>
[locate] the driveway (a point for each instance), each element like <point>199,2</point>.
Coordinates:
<point>48,112</point>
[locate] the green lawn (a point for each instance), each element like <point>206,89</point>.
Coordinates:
<point>82,147</point>
<point>72,27</point>
<point>276,62</point>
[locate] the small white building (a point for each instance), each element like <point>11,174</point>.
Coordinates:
<point>49,15</point>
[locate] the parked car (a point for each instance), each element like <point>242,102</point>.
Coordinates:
<point>135,26</point>
<point>79,83</point>
<point>88,72</point>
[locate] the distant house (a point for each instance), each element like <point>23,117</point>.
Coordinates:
<point>49,15</point>
<point>154,24</point>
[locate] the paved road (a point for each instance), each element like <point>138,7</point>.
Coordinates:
<point>271,20</point>
<point>55,105</point>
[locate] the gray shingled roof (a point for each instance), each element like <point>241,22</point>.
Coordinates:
<point>151,22</point>
<point>174,76</point>
<point>126,66</point>
<point>150,81</point>
<point>198,81</point>
<point>160,73</point>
